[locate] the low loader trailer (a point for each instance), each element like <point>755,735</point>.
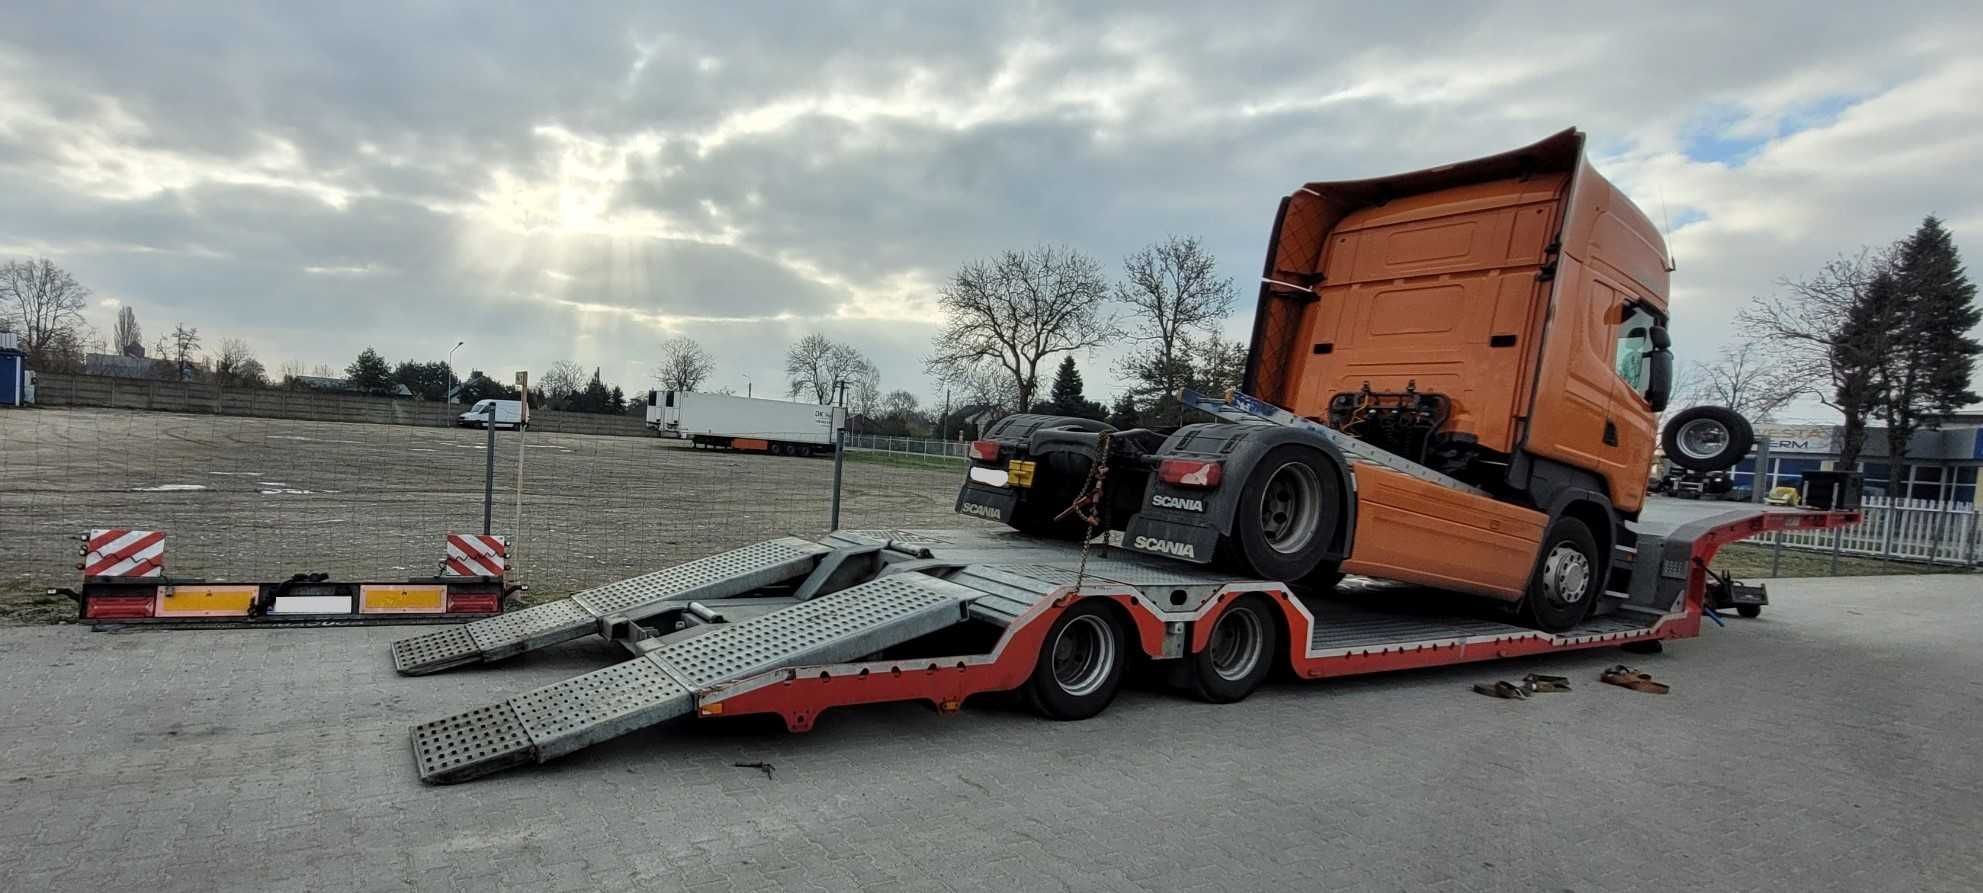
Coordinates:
<point>793,627</point>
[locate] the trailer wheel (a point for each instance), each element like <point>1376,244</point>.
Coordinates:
<point>1287,515</point>
<point>1749,611</point>
<point>1080,665</point>
<point>1707,438</point>
<point>1566,581</point>
<point>1244,647</point>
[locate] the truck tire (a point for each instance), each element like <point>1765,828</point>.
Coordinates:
<point>1567,578</point>
<point>1080,664</point>
<point>1244,648</point>
<point>1707,438</point>
<point>1287,515</point>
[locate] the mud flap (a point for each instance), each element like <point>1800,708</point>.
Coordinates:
<point>1152,535</point>
<point>989,503</point>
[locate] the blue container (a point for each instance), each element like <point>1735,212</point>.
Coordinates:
<point>13,377</point>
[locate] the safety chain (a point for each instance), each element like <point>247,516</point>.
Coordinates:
<point>1090,506</point>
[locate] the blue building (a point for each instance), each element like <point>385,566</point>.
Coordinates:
<point>15,387</point>
<point>1941,464</point>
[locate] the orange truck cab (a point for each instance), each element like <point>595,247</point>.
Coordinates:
<point>1468,361</point>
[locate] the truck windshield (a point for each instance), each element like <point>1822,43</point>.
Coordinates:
<point>1634,343</point>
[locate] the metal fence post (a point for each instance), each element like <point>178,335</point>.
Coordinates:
<point>1758,482</point>
<point>1776,553</point>
<point>839,459</point>
<point>489,475</point>
<point>1838,539</point>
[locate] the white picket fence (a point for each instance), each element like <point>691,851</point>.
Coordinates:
<point>1903,529</point>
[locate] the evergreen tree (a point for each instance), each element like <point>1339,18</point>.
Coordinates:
<point>1067,397</point>
<point>618,404</point>
<point>369,373</point>
<point>1945,311</point>
<point>1123,414</point>
<point>595,398</point>
<point>1926,371</point>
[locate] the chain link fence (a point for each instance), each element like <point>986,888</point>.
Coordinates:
<point>248,499</point>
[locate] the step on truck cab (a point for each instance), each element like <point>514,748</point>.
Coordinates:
<point>1453,381</point>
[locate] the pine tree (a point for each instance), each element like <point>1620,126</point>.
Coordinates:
<point>1124,415</point>
<point>1945,311</point>
<point>1067,385</point>
<point>369,373</point>
<point>1926,372</point>
<point>596,397</point>
<point>618,405</point>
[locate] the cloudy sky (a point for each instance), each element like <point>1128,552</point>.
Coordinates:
<point>579,181</point>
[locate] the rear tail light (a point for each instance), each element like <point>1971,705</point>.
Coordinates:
<point>474,603</point>
<point>1190,473</point>
<point>984,450</point>
<point>118,607</point>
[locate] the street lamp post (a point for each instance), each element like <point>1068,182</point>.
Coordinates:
<point>747,384</point>
<point>448,367</point>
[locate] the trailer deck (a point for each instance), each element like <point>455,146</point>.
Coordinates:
<point>793,627</point>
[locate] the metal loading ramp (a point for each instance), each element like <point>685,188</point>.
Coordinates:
<point>717,576</point>
<point>665,682</point>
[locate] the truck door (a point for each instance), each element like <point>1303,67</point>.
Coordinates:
<point>1631,413</point>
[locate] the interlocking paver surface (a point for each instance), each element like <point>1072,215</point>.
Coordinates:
<point>1837,743</point>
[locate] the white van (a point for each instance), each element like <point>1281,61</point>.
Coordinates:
<point>509,414</point>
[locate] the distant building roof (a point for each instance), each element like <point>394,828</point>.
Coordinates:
<point>118,365</point>
<point>326,383</point>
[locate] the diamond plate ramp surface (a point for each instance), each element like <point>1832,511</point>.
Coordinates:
<point>557,719</point>
<point>717,576</point>
<point>843,626</point>
<point>465,745</point>
<point>735,572</point>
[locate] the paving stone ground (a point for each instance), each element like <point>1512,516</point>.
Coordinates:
<point>1836,743</point>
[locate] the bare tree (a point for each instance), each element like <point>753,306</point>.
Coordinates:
<point>1173,289</point>
<point>1018,308</point>
<point>185,350</point>
<point>815,363</point>
<point>684,365</point>
<point>564,380</point>
<point>44,305</point>
<point>864,390</point>
<point>237,366</point>
<point>1829,332</point>
<point>129,337</point>
<point>1744,380</point>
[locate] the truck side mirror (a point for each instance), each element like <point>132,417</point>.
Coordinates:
<point>1659,375</point>
<point>1660,340</point>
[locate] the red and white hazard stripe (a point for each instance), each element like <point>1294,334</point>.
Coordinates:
<point>475,555</point>
<point>124,553</point>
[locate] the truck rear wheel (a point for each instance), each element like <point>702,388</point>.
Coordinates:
<point>1080,664</point>
<point>1567,578</point>
<point>1287,515</point>
<point>1242,651</point>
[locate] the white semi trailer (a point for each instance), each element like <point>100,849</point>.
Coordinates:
<point>722,421</point>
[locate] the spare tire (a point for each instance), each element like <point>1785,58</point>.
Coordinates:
<point>1707,438</point>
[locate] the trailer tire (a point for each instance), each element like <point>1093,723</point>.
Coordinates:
<point>1243,650</point>
<point>1707,438</point>
<point>1080,665</point>
<point>1567,577</point>
<point>1287,515</point>
<point>1750,612</point>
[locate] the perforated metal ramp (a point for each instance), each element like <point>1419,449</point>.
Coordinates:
<point>717,576</point>
<point>557,719</point>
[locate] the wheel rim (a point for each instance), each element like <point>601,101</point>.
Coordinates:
<point>1083,654</point>
<point>1566,574</point>
<point>1291,507</point>
<point>1238,640</point>
<point>1702,438</point>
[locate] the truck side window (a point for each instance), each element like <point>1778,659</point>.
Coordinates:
<point>1634,342</point>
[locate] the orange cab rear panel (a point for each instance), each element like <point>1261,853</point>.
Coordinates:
<point>1420,532</point>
